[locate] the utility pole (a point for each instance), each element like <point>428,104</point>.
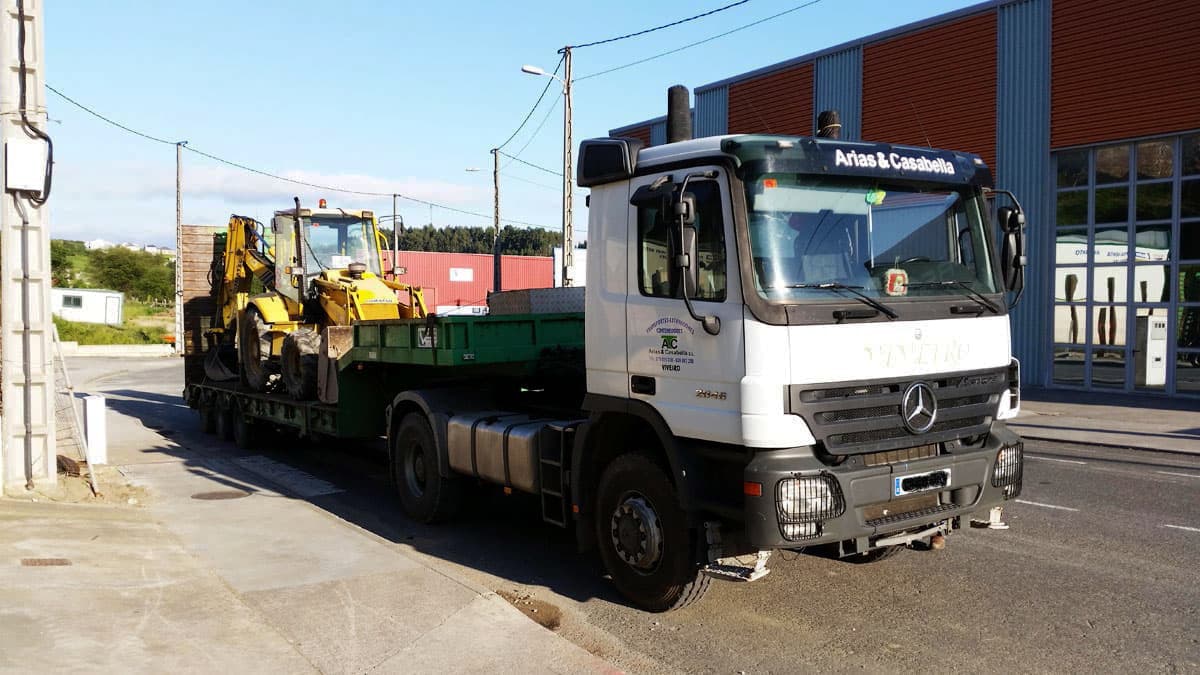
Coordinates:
<point>496,258</point>
<point>27,438</point>
<point>568,176</point>
<point>395,242</point>
<point>179,247</point>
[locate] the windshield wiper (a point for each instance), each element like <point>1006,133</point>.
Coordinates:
<point>962,285</point>
<point>856,290</point>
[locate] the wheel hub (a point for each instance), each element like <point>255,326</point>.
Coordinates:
<point>637,533</point>
<point>415,470</point>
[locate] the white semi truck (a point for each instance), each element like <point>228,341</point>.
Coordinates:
<point>785,343</point>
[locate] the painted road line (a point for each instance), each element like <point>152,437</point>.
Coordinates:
<point>293,480</point>
<point>1051,459</point>
<point>1176,473</point>
<point>1046,506</point>
<point>1183,527</point>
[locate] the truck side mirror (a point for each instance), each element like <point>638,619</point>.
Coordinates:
<point>689,267</point>
<point>1012,248</point>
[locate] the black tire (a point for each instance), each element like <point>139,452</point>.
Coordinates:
<point>245,431</point>
<point>254,351</point>
<point>427,496</point>
<point>874,555</point>
<point>208,416</point>
<point>643,536</point>
<point>298,363</point>
<point>223,426</point>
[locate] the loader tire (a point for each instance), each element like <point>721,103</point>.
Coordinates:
<point>254,351</point>
<point>299,361</point>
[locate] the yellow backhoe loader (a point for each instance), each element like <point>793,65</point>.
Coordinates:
<point>277,292</point>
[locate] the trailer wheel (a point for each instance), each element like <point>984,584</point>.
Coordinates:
<point>223,425</point>
<point>298,362</point>
<point>245,431</point>
<point>254,351</point>
<point>427,496</point>
<point>208,415</point>
<point>643,535</point>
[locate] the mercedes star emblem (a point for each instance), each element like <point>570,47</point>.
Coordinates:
<point>918,408</point>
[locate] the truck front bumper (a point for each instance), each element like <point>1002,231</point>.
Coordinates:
<point>804,502</point>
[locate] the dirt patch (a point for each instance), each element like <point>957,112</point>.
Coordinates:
<point>114,489</point>
<point>542,612</point>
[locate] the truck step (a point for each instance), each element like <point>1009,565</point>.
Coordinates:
<point>554,481</point>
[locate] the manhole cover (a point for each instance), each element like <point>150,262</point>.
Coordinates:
<point>44,562</point>
<point>221,494</point>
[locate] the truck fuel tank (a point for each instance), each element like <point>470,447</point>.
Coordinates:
<point>501,447</point>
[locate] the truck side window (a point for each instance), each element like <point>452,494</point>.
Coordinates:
<point>657,243</point>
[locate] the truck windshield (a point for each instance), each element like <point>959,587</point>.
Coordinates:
<point>334,243</point>
<point>884,239</point>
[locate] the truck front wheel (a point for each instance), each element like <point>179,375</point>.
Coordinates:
<point>644,540</point>
<point>427,496</point>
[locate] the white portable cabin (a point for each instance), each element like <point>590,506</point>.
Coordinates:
<point>88,305</point>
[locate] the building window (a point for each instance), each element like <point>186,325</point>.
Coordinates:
<point>72,301</point>
<point>658,242</point>
<point>1127,266</point>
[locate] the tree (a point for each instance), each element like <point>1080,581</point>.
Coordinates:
<point>138,273</point>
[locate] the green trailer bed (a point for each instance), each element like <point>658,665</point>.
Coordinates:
<point>467,342</point>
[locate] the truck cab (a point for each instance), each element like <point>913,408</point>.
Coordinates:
<point>808,336</point>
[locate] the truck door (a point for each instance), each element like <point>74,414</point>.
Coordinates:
<point>692,378</point>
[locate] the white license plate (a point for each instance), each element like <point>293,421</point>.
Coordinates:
<point>920,482</point>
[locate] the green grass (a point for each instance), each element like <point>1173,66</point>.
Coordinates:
<point>100,334</point>
<point>134,310</point>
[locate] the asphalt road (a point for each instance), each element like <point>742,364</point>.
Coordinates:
<point>1098,572</point>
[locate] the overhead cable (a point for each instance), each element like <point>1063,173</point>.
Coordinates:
<point>657,28</point>
<point>537,130</point>
<point>552,172</point>
<point>549,81</point>
<point>697,43</point>
<point>294,181</point>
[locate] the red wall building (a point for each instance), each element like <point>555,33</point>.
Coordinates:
<point>451,280</point>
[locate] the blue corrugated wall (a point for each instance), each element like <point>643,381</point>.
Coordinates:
<point>658,133</point>
<point>1023,166</point>
<point>838,86</point>
<point>712,112</point>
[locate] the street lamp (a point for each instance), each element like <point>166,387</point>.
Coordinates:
<point>568,233</point>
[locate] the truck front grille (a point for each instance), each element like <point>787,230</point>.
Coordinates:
<point>866,418</point>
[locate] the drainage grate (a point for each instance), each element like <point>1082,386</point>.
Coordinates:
<point>44,562</point>
<point>220,494</point>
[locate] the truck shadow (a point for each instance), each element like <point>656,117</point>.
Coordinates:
<point>501,536</point>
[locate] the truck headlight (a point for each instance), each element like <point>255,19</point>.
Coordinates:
<point>809,499</point>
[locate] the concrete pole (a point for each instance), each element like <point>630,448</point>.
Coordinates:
<point>496,258</point>
<point>568,176</point>
<point>179,247</point>
<point>26,385</point>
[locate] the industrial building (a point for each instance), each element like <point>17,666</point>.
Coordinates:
<point>459,283</point>
<point>1087,110</point>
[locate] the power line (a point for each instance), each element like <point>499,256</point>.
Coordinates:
<point>537,130</point>
<point>697,43</point>
<point>532,165</point>
<point>665,25</point>
<point>267,174</point>
<point>557,189</point>
<point>549,81</point>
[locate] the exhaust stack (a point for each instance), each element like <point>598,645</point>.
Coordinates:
<point>679,114</point>
<point>829,124</point>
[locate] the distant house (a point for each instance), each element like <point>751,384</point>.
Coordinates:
<point>131,247</point>
<point>96,244</point>
<point>151,248</point>
<point>88,305</point>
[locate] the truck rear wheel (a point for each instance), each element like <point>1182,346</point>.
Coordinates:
<point>224,422</point>
<point>245,431</point>
<point>208,415</point>
<point>298,363</point>
<point>254,351</point>
<point>427,496</point>
<point>643,535</point>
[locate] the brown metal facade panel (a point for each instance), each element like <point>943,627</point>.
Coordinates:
<point>640,133</point>
<point>776,103</point>
<point>195,258</point>
<point>935,87</point>
<point>1122,70</point>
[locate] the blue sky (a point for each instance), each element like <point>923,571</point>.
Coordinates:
<point>377,96</point>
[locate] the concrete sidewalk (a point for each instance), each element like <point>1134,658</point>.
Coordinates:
<point>216,569</point>
<point>1116,420</point>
